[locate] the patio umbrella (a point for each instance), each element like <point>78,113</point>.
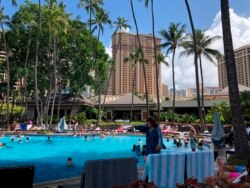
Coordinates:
<point>62,125</point>
<point>217,131</point>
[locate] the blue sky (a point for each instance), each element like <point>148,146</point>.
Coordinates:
<point>166,11</point>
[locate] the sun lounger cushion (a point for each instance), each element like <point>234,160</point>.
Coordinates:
<point>108,173</point>
<point>199,164</point>
<point>166,170</point>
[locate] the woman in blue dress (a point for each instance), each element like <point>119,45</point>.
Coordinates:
<point>154,142</point>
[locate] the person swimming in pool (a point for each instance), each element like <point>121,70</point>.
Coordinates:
<point>49,139</point>
<point>85,137</point>
<point>69,162</point>
<point>2,144</point>
<point>27,139</point>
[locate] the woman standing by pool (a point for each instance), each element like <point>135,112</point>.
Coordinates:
<point>154,142</point>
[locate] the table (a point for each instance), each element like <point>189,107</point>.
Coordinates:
<point>171,166</point>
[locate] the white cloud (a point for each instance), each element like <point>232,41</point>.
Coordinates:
<point>125,30</point>
<point>109,50</point>
<point>184,69</point>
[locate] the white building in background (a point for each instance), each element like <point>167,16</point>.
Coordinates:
<point>179,93</point>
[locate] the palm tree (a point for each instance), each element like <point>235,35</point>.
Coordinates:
<point>203,43</point>
<point>57,23</point>
<point>134,58</point>
<point>173,37</point>
<point>37,61</point>
<point>101,18</point>
<point>142,55</point>
<point>155,58</point>
<point>28,20</point>
<point>3,18</point>
<point>120,24</point>
<point>240,138</point>
<point>91,6</point>
<point>195,66</point>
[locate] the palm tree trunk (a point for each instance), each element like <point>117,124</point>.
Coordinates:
<point>47,106</point>
<point>240,137</point>
<point>55,80</point>
<point>156,63</point>
<point>202,92</point>
<point>98,82</point>
<point>7,77</point>
<point>133,94</point>
<point>111,71</point>
<point>142,55</point>
<point>174,91</point>
<point>71,111</point>
<point>26,75</point>
<point>12,105</point>
<point>36,65</point>
<point>59,104</point>
<point>196,66</point>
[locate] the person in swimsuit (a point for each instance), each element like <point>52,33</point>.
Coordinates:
<point>229,173</point>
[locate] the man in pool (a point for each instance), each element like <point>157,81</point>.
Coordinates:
<point>49,139</point>
<point>69,162</point>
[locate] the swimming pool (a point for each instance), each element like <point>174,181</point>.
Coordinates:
<point>49,158</point>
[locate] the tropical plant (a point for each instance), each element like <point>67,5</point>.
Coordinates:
<point>245,103</point>
<point>241,145</point>
<point>3,19</point>
<point>101,19</point>
<point>203,43</point>
<point>157,73</point>
<point>173,37</point>
<point>196,67</point>
<point>134,58</point>
<point>57,24</point>
<point>142,55</point>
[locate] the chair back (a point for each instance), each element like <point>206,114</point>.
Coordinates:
<point>17,177</point>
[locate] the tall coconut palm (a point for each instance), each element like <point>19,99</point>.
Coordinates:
<point>39,27</point>
<point>2,20</point>
<point>203,43</point>
<point>91,6</point>
<point>120,24</point>
<point>155,58</point>
<point>240,138</point>
<point>142,55</point>
<point>196,66</point>
<point>58,24</point>
<point>101,18</point>
<point>134,58</point>
<point>173,37</point>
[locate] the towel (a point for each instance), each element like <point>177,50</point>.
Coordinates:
<point>165,170</point>
<point>108,173</point>
<point>200,164</point>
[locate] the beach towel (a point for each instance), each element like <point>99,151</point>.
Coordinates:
<point>108,173</point>
<point>200,164</point>
<point>165,170</point>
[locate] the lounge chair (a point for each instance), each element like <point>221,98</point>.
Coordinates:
<point>108,173</point>
<point>17,177</point>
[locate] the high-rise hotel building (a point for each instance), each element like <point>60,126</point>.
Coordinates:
<point>242,61</point>
<point>122,80</point>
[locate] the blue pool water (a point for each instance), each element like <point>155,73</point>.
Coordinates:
<point>49,158</point>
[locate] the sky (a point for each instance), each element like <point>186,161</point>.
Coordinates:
<point>206,15</point>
